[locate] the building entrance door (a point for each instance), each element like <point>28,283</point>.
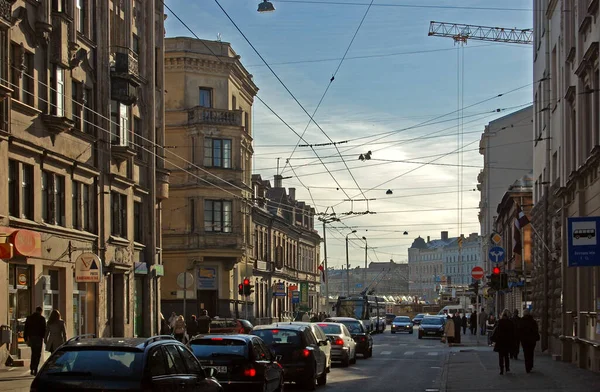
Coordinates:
<point>19,302</point>
<point>79,312</point>
<point>207,299</point>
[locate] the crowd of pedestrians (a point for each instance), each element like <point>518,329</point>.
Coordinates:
<point>184,330</point>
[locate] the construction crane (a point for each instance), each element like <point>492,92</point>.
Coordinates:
<point>463,32</point>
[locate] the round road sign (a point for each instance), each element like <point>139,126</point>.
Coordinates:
<point>477,273</point>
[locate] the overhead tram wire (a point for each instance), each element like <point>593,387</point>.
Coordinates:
<point>432,6</point>
<point>329,85</point>
<point>284,86</point>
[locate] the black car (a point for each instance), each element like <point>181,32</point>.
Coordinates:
<point>242,362</point>
<point>299,352</point>
<point>363,339</point>
<point>402,324</point>
<point>159,363</point>
<point>417,319</point>
<point>432,326</point>
<point>389,317</point>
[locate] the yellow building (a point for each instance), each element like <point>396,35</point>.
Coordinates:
<point>207,226</point>
<point>81,91</point>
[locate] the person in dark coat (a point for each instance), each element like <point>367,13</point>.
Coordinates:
<point>192,326</point>
<point>503,337</point>
<point>529,336</point>
<point>473,321</point>
<point>34,334</point>
<point>204,322</point>
<point>465,321</point>
<point>514,353</point>
<point>457,325</point>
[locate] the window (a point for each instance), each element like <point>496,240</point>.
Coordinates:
<point>191,361</point>
<point>87,198</point>
<point>15,51</point>
<point>138,141</point>
<point>114,122</point>
<point>118,214</point>
<point>58,6</point>
<point>27,191</point>
<point>81,16</point>
<point>137,221</point>
<point>205,99</point>
<point>76,204</point>
<point>156,363</point>
<point>59,100</point>
<point>192,215</point>
<point>175,364</point>
<point>217,153</point>
<point>217,216</point>
<point>53,198</point>
<point>75,105</point>
<point>233,102</point>
<point>119,123</point>
<point>22,73</point>
<point>13,189</point>
<point>135,43</point>
<point>88,109</point>
<point>247,122</point>
<point>27,94</point>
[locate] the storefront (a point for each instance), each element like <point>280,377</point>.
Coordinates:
<point>141,273</point>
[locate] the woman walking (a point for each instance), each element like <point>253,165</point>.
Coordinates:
<point>179,329</point>
<point>56,333</point>
<point>449,330</point>
<point>490,324</point>
<point>529,335</point>
<point>503,337</point>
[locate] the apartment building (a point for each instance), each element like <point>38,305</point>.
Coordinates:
<point>80,113</point>
<point>207,230</point>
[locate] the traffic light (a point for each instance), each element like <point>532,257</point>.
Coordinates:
<point>496,271</point>
<point>240,289</point>
<point>494,279</point>
<point>247,287</point>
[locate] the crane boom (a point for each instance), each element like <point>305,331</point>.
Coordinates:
<point>463,32</point>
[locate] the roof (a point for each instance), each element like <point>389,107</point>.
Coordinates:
<point>295,327</point>
<point>341,318</point>
<point>243,337</point>
<point>108,342</point>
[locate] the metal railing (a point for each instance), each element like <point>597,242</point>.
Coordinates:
<point>202,115</point>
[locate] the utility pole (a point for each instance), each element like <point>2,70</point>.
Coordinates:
<point>365,270</point>
<point>348,265</point>
<point>325,265</point>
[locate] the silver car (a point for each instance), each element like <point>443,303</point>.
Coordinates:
<point>343,346</point>
<point>402,324</point>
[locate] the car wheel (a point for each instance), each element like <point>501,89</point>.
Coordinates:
<point>353,360</point>
<point>346,361</point>
<point>309,382</point>
<point>322,380</point>
<point>280,389</point>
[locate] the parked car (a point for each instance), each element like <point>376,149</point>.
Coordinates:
<point>389,317</point>
<point>402,324</point>
<point>343,348</point>
<point>363,339</point>
<point>229,325</point>
<point>432,326</point>
<point>324,343</point>
<point>242,362</point>
<point>159,364</point>
<point>417,319</point>
<point>299,350</point>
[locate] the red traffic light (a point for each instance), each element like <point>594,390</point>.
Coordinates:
<point>496,271</point>
<point>246,281</point>
<point>240,286</point>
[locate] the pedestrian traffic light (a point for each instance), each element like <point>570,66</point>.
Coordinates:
<point>247,287</point>
<point>240,289</point>
<point>496,271</point>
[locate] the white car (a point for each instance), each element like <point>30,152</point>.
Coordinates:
<point>324,343</point>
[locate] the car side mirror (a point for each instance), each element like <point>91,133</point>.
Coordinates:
<point>278,358</point>
<point>210,372</point>
<point>322,342</point>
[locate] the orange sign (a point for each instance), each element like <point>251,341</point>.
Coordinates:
<point>6,251</point>
<point>291,290</point>
<point>27,243</point>
<point>22,280</point>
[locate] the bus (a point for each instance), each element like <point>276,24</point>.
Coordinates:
<point>369,309</point>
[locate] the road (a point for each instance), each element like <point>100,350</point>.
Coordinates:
<point>399,362</point>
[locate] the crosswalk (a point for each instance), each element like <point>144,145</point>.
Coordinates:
<point>388,353</point>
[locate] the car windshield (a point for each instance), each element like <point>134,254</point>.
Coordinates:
<point>432,321</point>
<point>353,326</point>
<point>214,347</point>
<point>402,319</point>
<point>331,329</point>
<point>274,337</point>
<point>352,308</point>
<point>96,363</point>
<point>214,324</point>
<point>419,315</point>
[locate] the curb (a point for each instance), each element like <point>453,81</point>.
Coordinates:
<point>444,378</point>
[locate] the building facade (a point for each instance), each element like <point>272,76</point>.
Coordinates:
<point>207,234</point>
<point>566,171</point>
<point>506,148</point>
<point>81,113</point>
<point>460,256</point>
<point>517,266</point>
<point>286,253</point>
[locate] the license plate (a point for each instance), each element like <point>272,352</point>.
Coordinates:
<point>430,333</point>
<point>221,369</point>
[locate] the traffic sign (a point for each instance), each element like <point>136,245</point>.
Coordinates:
<point>359,285</point>
<point>583,244</point>
<point>296,297</point>
<point>495,238</point>
<point>279,290</point>
<point>477,273</point>
<point>496,254</point>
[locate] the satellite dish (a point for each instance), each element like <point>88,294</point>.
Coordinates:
<point>185,282</point>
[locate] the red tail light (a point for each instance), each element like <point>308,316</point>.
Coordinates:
<point>338,342</point>
<point>216,338</point>
<point>305,353</point>
<point>250,372</point>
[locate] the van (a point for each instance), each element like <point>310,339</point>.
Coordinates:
<point>452,309</point>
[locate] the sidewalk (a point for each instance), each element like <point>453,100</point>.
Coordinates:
<point>18,379</point>
<point>476,369</point>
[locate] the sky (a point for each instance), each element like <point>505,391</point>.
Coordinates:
<point>398,93</point>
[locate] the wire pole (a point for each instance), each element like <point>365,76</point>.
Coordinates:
<point>325,266</point>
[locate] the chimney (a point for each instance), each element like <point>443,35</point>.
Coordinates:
<point>444,236</point>
<point>428,239</point>
<point>292,194</point>
<point>278,180</point>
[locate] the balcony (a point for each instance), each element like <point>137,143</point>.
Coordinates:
<point>57,124</point>
<point>210,116</point>
<point>162,183</point>
<point>6,12</point>
<point>125,76</point>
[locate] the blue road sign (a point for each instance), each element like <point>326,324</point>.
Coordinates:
<point>584,247</point>
<point>359,285</point>
<point>497,254</point>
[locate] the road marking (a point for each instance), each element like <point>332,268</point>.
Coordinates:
<point>409,353</point>
<point>435,367</point>
<point>432,390</point>
<point>386,352</point>
<point>433,353</point>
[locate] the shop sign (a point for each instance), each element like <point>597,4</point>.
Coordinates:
<point>207,278</point>
<point>141,268</point>
<point>6,251</point>
<point>291,289</point>
<point>88,268</point>
<point>304,293</point>
<point>160,269</point>
<point>27,243</point>
<point>22,280</point>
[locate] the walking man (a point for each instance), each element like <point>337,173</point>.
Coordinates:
<point>529,335</point>
<point>483,317</point>
<point>473,323</point>
<point>203,323</point>
<point>34,333</point>
<point>503,337</point>
<point>514,353</point>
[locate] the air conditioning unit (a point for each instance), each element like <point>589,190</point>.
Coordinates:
<point>46,280</point>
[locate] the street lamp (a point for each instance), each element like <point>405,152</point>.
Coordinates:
<point>266,6</point>
<point>325,221</point>
<point>365,271</point>
<point>348,265</point>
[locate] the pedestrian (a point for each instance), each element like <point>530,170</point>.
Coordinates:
<point>457,325</point>
<point>172,320</point>
<point>180,329</point>
<point>529,336</point>
<point>516,320</point>
<point>305,317</point>
<point>192,326</point>
<point>165,328</point>
<point>34,333</point>
<point>473,322</point>
<point>503,338</point>
<point>203,323</point>
<point>483,317</point>
<point>490,324</point>
<point>56,334</point>
<point>465,322</point>
<point>449,331</point>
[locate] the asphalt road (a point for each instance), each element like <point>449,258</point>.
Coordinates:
<point>400,362</point>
